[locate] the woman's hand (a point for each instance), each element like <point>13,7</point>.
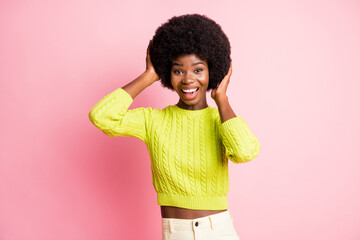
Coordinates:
<point>144,80</point>
<point>220,91</point>
<point>149,66</point>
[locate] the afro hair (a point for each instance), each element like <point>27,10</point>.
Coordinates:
<point>190,34</point>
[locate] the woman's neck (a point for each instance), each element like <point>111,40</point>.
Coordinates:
<point>197,106</point>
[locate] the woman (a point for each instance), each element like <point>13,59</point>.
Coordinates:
<point>189,143</point>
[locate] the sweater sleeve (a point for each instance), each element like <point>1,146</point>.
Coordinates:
<point>240,144</point>
<point>111,115</point>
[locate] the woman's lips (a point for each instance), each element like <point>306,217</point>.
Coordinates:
<point>190,93</point>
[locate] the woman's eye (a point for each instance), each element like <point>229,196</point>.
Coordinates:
<point>198,70</point>
<point>177,71</point>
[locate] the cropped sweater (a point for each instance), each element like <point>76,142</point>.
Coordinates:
<point>189,149</point>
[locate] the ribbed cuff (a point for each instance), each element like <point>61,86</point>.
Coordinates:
<point>234,127</point>
<point>233,123</point>
<point>119,99</point>
<point>241,145</point>
<point>123,95</point>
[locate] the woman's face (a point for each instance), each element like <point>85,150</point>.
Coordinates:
<point>190,79</point>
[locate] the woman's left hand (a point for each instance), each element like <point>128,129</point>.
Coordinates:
<point>221,89</point>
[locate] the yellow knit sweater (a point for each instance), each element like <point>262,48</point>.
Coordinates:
<point>188,148</point>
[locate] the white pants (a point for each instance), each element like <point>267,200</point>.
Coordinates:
<point>217,226</point>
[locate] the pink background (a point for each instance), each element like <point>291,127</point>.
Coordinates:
<point>296,81</point>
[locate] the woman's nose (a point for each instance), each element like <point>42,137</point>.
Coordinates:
<point>188,78</point>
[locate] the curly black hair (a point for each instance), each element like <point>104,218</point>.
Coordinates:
<point>190,34</point>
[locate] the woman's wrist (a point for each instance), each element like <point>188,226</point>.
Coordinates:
<point>221,98</point>
<point>151,75</point>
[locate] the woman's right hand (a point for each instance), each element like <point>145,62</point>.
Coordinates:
<point>149,66</point>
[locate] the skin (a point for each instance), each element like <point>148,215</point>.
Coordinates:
<point>188,71</point>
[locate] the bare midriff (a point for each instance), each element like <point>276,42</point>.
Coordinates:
<point>183,213</point>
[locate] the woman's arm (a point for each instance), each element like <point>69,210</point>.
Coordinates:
<point>240,144</point>
<point>111,114</point>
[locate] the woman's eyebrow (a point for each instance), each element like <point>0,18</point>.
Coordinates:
<point>179,64</point>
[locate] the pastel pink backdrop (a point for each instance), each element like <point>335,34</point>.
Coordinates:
<point>295,81</point>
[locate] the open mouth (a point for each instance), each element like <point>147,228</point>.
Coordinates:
<point>190,93</point>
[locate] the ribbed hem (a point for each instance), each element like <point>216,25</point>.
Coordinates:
<point>193,202</point>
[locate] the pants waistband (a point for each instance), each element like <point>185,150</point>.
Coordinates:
<point>210,221</point>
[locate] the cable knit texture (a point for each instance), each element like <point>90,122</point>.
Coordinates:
<point>189,149</point>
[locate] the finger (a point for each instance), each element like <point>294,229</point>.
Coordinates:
<point>148,48</point>
<point>222,86</point>
<point>213,92</point>
<point>224,83</point>
<point>230,70</point>
<point>226,79</point>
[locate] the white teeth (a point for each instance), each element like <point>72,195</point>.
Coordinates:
<point>189,90</point>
